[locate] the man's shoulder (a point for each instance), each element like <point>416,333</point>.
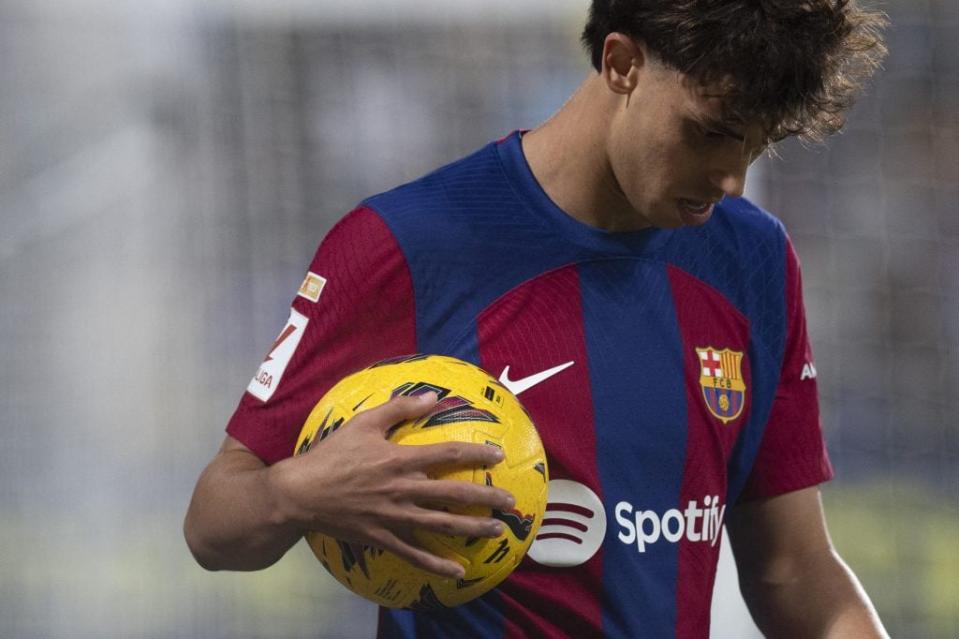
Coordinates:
<point>468,181</point>
<point>738,216</point>
<point>466,208</point>
<point>741,253</point>
<point>740,237</point>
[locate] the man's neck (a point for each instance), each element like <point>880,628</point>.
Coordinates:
<point>567,155</point>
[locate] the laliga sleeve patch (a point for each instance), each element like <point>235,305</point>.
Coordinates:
<point>268,376</point>
<point>312,286</point>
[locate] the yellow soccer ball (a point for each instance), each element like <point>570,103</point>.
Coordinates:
<point>472,407</point>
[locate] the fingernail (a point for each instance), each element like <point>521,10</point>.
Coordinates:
<point>496,529</point>
<point>459,573</point>
<point>510,502</point>
<point>499,455</point>
<point>428,398</point>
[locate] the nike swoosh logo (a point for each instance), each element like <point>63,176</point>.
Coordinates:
<point>517,386</point>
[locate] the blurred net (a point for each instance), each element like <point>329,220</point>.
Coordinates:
<point>872,215</point>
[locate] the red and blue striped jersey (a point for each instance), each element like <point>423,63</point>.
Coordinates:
<point>668,372</point>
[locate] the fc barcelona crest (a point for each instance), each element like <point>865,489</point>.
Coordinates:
<point>721,377</point>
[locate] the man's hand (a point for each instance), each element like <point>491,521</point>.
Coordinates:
<point>358,487</point>
<point>354,485</point>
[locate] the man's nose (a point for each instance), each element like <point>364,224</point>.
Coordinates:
<point>730,182</point>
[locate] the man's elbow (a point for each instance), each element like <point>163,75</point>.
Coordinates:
<point>199,547</point>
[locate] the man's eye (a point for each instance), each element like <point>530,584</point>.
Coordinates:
<point>713,135</point>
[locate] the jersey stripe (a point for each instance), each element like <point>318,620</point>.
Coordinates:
<point>705,318</point>
<point>533,328</point>
<point>640,415</point>
<point>478,619</point>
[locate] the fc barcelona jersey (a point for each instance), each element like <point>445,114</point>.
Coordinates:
<point>668,372</point>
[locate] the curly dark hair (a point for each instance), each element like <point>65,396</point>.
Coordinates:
<point>794,66</point>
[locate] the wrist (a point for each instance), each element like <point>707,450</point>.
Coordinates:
<point>281,510</point>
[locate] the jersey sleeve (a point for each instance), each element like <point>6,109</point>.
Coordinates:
<point>793,453</point>
<point>355,307</point>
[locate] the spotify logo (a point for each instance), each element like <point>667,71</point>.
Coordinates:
<point>573,527</point>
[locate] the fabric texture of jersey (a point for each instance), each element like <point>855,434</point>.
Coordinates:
<point>685,388</point>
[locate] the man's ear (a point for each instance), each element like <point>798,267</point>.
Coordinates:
<point>623,58</point>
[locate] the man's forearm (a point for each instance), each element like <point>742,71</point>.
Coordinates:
<point>823,599</point>
<point>232,522</point>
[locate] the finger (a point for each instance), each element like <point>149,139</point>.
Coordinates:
<point>418,557</point>
<point>397,410</point>
<point>460,493</point>
<point>445,523</point>
<point>455,454</point>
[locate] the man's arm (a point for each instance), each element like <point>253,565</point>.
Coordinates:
<point>793,581</point>
<point>233,521</point>
<point>354,485</point>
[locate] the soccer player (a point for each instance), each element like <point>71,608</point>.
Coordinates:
<point>606,268</point>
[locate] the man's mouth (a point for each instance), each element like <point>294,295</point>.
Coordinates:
<point>695,212</point>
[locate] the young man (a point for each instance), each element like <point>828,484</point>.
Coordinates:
<point>604,266</point>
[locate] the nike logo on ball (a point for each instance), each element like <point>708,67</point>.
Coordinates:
<point>517,386</point>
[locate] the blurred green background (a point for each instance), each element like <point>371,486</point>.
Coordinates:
<point>167,169</point>
<point>901,541</point>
